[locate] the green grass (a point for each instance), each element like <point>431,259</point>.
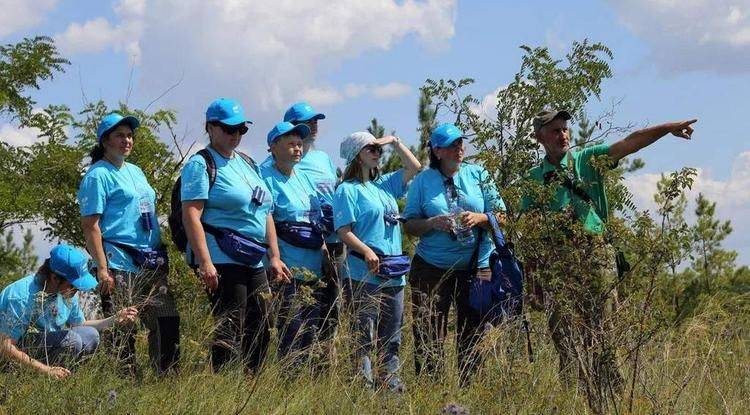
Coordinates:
<point>701,367</point>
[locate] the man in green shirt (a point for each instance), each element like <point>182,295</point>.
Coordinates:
<point>574,312</point>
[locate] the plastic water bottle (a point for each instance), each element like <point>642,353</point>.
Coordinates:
<point>146,215</point>
<point>464,234</point>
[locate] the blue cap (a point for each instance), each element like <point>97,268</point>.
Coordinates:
<point>300,112</point>
<point>227,112</point>
<point>72,264</point>
<point>445,134</point>
<point>285,128</point>
<point>112,120</point>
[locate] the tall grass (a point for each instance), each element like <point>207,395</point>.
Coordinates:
<point>702,366</point>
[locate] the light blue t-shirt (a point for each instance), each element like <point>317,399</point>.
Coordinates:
<point>317,165</point>
<point>295,199</point>
<point>229,202</point>
<point>427,198</point>
<point>24,307</point>
<point>118,196</point>
<point>362,206</point>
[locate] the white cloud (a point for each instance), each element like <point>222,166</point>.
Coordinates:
<point>692,34</point>
<point>99,34</point>
<point>329,95</point>
<point>732,197</point>
<point>321,96</point>
<point>23,14</point>
<point>391,90</point>
<point>19,136</point>
<point>265,52</point>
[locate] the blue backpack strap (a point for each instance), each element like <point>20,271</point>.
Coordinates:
<point>497,234</point>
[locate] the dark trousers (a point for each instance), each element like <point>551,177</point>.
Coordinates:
<point>330,299</point>
<point>433,290</point>
<point>241,305</point>
<point>149,292</point>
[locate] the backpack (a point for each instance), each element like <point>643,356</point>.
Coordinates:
<point>176,227</point>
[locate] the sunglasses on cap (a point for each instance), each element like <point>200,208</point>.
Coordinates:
<point>374,148</point>
<point>232,129</point>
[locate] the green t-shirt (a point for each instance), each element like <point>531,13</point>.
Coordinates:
<point>593,215</point>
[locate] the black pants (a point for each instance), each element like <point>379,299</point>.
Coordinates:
<point>330,301</point>
<point>149,292</point>
<point>433,290</point>
<point>241,305</point>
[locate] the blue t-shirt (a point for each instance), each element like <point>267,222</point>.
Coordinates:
<point>24,307</point>
<point>427,198</point>
<point>362,206</point>
<point>295,199</point>
<point>118,195</point>
<point>317,165</point>
<point>229,202</point>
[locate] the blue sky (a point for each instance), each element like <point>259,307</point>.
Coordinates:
<point>355,60</point>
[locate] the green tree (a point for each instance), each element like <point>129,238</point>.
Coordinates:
<point>22,67</point>
<point>710,261</point>
<point>16,261</point>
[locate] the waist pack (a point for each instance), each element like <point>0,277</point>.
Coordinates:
<point>391,266</point>
<point>502,296</point>
<point>147,258</point>
<point>300,234</point>
<point>236,246</point>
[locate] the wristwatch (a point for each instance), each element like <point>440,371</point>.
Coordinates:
<point>396,139</point>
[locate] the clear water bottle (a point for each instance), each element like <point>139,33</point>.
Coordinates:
<point>464,234</point>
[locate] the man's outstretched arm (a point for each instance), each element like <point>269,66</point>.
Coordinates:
<point>647,136</point>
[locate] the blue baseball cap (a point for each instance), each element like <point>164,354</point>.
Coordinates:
<point>112,120</point>
<point>72,264</point>
<point>300,112</point>
<point>445,134</point>
<point>227,112</point>
<point>285,128</point>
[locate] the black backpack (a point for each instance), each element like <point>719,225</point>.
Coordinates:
<point>176,227</point>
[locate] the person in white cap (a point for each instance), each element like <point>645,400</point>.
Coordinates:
<point>41,322</point>
<point>367,219</point>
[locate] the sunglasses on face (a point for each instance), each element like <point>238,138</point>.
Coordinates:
<point>233,129</point>
<point>372,148</point>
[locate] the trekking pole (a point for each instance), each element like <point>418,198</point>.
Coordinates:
<point>528,339</point>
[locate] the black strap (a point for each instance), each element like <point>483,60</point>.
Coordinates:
<point>567,182</point>
<point>362,257</point>
<point>211,164</point>
<point>474,262</point>
<point>127,248</point>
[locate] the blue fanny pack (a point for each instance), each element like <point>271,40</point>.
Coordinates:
<point>147,258</point>
<point>236,246</point>
<point>391,266</point>
<point>300,234</point>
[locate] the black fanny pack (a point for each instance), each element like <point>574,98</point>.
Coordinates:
<point>236,246</point>
<point>391,266</point>
<point>300,234</point>
<point>147,258</point>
